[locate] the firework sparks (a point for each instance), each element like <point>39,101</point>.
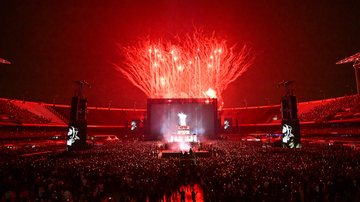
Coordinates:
<point>191,66</point>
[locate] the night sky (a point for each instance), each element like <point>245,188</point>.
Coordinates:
<point>51,43</point>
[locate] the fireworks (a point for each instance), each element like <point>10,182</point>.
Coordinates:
<point>190,66</point>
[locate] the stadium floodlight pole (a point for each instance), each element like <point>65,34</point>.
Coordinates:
<point>356,64</point>
<point>3,61</point>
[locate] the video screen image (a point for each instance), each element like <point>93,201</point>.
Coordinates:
<point>72,136</point>
<point>182,122</point>
<point>291,135</point>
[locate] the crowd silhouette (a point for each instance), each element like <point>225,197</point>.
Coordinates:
<point>235,171</point>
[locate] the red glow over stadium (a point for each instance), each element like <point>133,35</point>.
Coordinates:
<point>190,66</point>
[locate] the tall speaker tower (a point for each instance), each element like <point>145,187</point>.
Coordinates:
<point>289,114</point>
<point>77,135</point>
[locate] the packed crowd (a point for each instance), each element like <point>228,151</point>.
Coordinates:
<point>242,172</point>
<point>121,171</point>
<point>20,115</point>
<point>328,111</point>
<point>235,171</point>
<point>15,133</point>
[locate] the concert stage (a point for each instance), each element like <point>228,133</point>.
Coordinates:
<point>178,154</point>
<point>187,120</point>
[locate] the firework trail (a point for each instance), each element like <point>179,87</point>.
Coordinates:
<point>190,66</point>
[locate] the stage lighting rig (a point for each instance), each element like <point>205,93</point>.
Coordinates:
<point>81,85</point>
<point>287,85</point>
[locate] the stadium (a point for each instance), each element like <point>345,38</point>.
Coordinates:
<point>34,132</point>
<point>185,113</point>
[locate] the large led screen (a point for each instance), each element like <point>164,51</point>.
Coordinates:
<point>172,117</point>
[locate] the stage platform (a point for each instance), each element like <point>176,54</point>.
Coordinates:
<point>177,154</point>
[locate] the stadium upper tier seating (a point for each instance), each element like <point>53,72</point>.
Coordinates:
<point>14,111</point>
<point>22,112</point>
<point>334,109</point>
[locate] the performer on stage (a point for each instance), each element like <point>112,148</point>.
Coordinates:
<point>182,119</point>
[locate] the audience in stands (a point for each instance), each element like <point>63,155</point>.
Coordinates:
<point>339,108</point>
<point>16,133</point>
<point>20,115</point>
<point>328,111</point>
